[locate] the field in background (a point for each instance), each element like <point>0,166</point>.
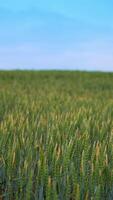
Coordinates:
<point>56,136</point>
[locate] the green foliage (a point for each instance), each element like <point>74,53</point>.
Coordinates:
<point>56,135</point>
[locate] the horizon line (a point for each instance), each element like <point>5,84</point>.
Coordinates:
<point>56,69</point>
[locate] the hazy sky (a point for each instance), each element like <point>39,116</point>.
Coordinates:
<point>61,34</point>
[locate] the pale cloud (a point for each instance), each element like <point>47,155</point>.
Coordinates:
<point>87,56</point>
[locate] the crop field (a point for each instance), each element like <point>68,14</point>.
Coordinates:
<point>56,135</point>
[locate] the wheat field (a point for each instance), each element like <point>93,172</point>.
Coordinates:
<point>56,135</point>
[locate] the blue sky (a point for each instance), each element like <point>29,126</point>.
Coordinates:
<point>61,34</point>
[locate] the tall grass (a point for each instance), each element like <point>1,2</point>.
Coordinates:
<point>56,136</point>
